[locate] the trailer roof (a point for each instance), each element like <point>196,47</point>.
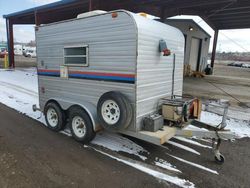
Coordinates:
<point>188,21</point>
<point>53,12</point>
<point>219,14</point>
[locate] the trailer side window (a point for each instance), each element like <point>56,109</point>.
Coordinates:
<point>76,55</point>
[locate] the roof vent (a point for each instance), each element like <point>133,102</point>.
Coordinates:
<point>91,13</point>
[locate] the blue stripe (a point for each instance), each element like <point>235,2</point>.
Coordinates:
<point>49,73</point>
<point>101,77</point>
<point>92,77</point>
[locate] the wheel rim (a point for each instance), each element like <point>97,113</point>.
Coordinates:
<point>52,117</point>
<point>78,126</point>
<point>110,112</point>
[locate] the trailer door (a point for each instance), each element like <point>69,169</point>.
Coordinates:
<point>195,54</point>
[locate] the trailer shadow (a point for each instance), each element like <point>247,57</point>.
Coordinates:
<point>199,169</point>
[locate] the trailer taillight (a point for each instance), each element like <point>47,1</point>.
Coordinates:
<point>163,48</point>
<point>42,89</point>
<point>114,14</point>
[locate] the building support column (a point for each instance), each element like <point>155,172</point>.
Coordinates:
<point>37,18</point>
<point>216,33</point>
<point>9,30</point>
<point>90,5</point>
<point>95,5</point>
<point>162,17</point>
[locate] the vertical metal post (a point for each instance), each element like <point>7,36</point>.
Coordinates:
<point>172,94</point>
<point>37,19</point>
<point>8,37</point>
<point>90,5</point>
<point>9,29</point>
<point>207,106</point>
<point>162,17</point>
<point>224,118</point>
<point>216,33</point>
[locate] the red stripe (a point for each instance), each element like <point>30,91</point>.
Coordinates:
<point>104,74</point>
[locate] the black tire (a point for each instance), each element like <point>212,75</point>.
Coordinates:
<point>219,160</point>
<point>89,131</point>
<point>125,108</point>
<point>59,115</point>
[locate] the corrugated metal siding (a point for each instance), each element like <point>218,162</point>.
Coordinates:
<point>112,42</point>
<point>112,49</point>
<point>78,90</point>
<point>154,71</point>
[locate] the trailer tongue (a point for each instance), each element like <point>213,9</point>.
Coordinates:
<point>181,118</point>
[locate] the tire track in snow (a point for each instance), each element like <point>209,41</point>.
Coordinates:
<point>183,147</point>
<point>19,88</point>
<point>149,170</point>
<point>192,142</point>
<point>194,164</point>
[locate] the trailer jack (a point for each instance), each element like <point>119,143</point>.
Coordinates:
<point>205,130</point>
<point>219,158</point>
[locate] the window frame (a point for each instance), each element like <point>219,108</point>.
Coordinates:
<point>77,46</point>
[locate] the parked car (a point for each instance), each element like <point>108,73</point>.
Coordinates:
<point>235,64</point>
<point>30,53</point>
<point>245,65</point>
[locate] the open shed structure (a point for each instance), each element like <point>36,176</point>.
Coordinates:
<point>219,14</point>
<point>197,42</point>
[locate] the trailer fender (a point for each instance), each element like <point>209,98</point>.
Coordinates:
<point>88,107</point>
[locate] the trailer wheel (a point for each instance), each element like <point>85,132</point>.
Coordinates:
<point>219,159</point>
<point>114,111</point>
<point>81,125</point>
<point>54,116</point>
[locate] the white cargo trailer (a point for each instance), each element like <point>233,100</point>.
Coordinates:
<point>81,61</point>
<point>109,70</point>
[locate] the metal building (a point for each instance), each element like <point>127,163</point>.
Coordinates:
<point>196,42</point>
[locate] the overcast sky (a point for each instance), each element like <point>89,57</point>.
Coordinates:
<point>226,41</point>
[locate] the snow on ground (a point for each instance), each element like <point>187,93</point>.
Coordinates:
<point>25,78</point>
<point>164,164</point>
<point>116,142</point>
<point>19,90</point>
<point>159,175</point>
<point>192,142</point>
<point>240,127</point>
<point>195,165</point>
<point>183,147</point>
